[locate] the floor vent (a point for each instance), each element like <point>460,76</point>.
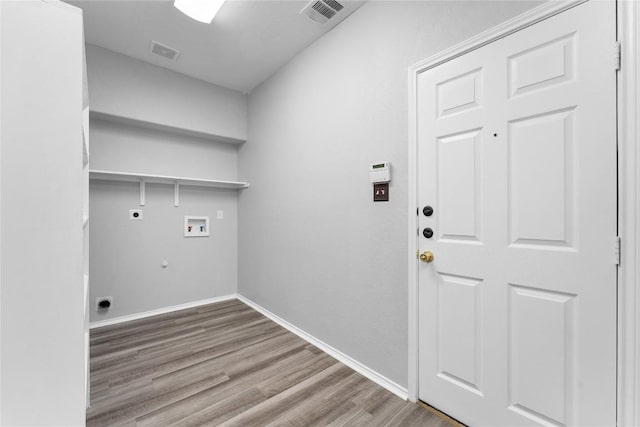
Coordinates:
<point>322,10</point>
<point>164,51</point>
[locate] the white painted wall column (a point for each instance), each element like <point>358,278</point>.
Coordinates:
<point>42,323</point>
<point>629,225</point>
<point>0,220</point>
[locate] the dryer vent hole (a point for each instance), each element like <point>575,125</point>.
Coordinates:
<point>104,304</point>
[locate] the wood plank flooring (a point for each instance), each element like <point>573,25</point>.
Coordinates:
<point>226,364</point>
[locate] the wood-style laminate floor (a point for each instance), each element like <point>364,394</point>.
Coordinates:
<point>226,364</point>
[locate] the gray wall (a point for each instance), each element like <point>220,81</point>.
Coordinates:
<point>314,248</point>
<point>125,87</point>
<point>126,255</point>
<point>119,147</point>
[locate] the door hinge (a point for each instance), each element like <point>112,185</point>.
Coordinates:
<point>617,58</point>
<point>617,250</point>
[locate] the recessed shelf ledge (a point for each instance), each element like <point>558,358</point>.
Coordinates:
<point>164,179</point>
<point>163,127</point>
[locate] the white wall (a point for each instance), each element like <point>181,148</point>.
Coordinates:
<point>125,87</point>
<point>41,218</point>
<point>314,248</point>
<point>125,255</point>
<point>0,220</point>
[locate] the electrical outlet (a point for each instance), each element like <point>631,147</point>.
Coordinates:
<point>135,214</point>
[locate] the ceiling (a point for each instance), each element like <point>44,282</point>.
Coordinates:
<point>246,43</point>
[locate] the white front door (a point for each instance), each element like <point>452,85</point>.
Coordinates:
<point>517,160</point>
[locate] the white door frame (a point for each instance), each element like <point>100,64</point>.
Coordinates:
<point>0,224</point>
<point>629,209</point>
<point>629,192</point>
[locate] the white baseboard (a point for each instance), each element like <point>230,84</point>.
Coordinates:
<point>374,376</point>
<point>163,310</point>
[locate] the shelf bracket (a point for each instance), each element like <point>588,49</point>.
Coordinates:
<point>176,194</point>
<point>142,192</point>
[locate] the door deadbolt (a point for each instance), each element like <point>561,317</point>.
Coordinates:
<point>427,232</point>
<point>427,211</point>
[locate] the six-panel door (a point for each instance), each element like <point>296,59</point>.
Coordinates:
<point>517,157</point>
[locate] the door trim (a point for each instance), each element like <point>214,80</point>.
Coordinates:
<point>629,193</point>
<point>629,209</point>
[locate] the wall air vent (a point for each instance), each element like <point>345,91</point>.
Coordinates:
<point>164,51</point>
<point>322,10</point>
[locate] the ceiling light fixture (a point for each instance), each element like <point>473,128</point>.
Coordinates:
<point>201,10</point>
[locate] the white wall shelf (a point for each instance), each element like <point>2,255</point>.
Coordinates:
<point>85,136</point>
<point>98,115</point>
<point>86,291</point>
<point>85,217</point>
<point>164,179</point>
<point>176,181</point>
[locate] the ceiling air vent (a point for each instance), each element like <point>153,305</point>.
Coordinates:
<point>163,50</point>
<point>334,5</point>
<point>322,10</point>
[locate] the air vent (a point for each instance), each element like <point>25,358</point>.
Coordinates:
<point>333,4</point>
<point>164,51</point>
<point>322,10</point>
